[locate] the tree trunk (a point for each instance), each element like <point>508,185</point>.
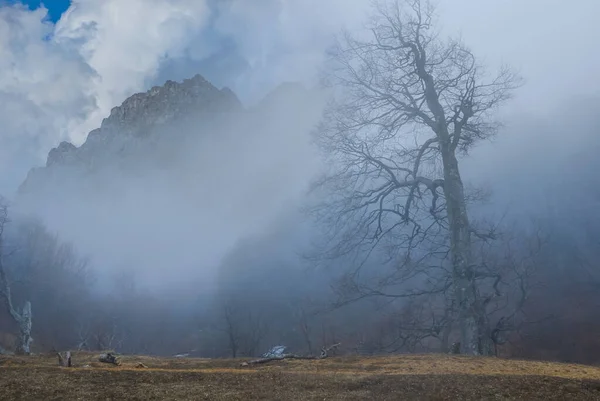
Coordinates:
<point>233,345</point>
<point>471,315</point>
<point>66,361</point>
<point>24,322</point>
<point>23,319</point>
<point>445,343</point>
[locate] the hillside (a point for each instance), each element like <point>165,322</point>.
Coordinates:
<point>410,377</point>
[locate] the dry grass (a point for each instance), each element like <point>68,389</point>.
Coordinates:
<point>414,377</point>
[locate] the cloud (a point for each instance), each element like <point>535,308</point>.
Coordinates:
<point>112,49</point>
<point>283,40</point>
<point>42,91</point>
<point>125,42</point>
<point>57,82</point>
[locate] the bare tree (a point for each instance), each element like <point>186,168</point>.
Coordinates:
<point>254,330</point>
<point>305,328</point>
<point>108,333</point>
<point>23,317</point>
<point>245,329</point>
<point>83,336</point>
<point>232,330</point>
<point>412,103</point>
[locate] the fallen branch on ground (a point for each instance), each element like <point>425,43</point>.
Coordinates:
<point>324,354</point>
<point>109,358</point>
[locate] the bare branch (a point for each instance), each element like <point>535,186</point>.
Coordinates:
<point>408,103</point>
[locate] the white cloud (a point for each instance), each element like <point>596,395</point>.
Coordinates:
<point>102,51</point>
<point>124,42</point>
<point>283,40</point>
<point>58,82</point>
<point>42,91</point>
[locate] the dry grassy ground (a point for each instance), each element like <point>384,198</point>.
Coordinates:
<point>420,377</point>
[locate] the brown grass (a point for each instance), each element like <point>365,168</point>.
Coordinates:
<point>414,377</point>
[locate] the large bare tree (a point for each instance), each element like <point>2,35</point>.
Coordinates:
<point>409,104</point>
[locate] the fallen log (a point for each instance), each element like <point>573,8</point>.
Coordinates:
<point>324,354</point>
<point>109,358</point>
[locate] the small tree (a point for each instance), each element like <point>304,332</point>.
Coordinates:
<point>232,330</point>
<point>23,317</point>
<point>411,104</point>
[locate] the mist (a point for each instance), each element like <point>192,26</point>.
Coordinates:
<point>179,203</point>
<point>210,207</point>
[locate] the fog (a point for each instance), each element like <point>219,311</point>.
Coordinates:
<point>210,208</point>
<point>178,203</point>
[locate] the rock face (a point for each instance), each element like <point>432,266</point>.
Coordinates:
<point>166,103</point>
<point>132,127</point>
<point>62,154</point>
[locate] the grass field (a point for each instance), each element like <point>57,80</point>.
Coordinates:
<point>411,377</point>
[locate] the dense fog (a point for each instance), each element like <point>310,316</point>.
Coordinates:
<point>191,219</point>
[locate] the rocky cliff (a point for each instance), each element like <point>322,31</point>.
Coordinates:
<point>140,122</point>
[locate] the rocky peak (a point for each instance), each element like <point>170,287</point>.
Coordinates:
<point>136,125</point>
<point>152,129</point>
<point>60,154</point>
<point>142,112</point>
<point>163,103</point>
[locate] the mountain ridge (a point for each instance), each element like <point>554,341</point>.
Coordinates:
<point>156,106</point>
<point>135,121</point>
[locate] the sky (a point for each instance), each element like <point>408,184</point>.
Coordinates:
<point>61,73</point>
<point>55,7</point>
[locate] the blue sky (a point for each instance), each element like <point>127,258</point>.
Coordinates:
<point>55,7</point>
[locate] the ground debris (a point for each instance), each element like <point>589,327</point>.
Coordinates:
<point>279,355</point>
<point>109,358</point>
